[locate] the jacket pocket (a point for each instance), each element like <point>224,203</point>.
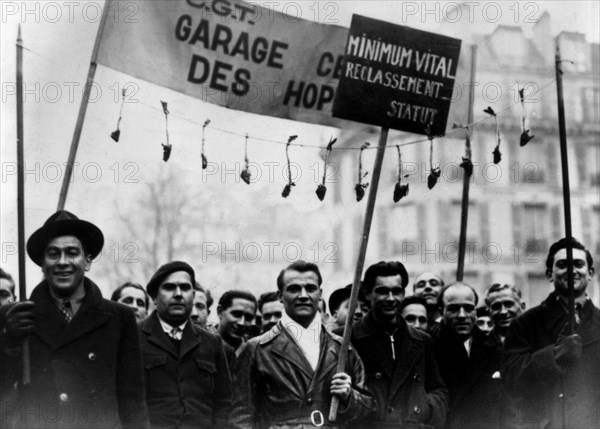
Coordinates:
<point>152,361</point>
<point>206,373</point>
<point>209,367</point>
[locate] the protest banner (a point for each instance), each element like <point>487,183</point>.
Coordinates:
<point>397,77</point>
<point>230,53</point>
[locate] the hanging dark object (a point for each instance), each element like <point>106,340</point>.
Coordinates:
<point>466,163</point>
<point>401,189</point>
<point>526,135</point>
<point>434,174</point>
<point>204,159</point>
<point>322,189</point>
<point>497,154</point>
<point>245,174</point>
<point>117,133</point>
<point>360,186</point>
<point>166,146</point>
<point>288,188</point>
<point>166,152</point>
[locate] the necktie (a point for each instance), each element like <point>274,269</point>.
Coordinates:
<point>176,333</point>
<point>67,310</point>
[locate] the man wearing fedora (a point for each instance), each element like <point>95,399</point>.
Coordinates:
<point>187,379</point>
<point>85,361</point>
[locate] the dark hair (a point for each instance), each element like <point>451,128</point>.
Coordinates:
<point>384,269</point>
<point>5,275</point>
<point>301,267</point>
<point>445,288</point>
<point>497,287</point>
<point>209,298</point>
<point>562,244</point>
<point>267,297</point>
<point>227,298</point>
<point>482,311</point>
<point>118,291</point>
<point>413,300</point>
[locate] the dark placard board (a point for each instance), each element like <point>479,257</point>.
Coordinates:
<point>396,77</point>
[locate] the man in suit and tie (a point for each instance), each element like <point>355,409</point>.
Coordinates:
<point>188,384</point>
<point>469,362</point>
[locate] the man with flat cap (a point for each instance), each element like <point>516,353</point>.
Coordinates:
<point>339,303</point>
<point>187,380</point>
<point>85,361</point>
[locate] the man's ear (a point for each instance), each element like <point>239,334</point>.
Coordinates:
<point>88,262</point>
<point>523,305</point>
<point>279,296</point>
<point>592,271</point>
<point>219,309</point>
<point>549,275</point>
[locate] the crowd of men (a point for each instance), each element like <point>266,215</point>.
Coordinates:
<point>442,357</point>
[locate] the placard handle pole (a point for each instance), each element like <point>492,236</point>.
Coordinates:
<point>341,365</point>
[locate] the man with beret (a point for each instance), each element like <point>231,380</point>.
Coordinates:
<point>85,362</point>
<point>188,384</point>
<point>339,303</point>
<point>399,360</point>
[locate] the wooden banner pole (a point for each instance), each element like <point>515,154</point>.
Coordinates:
<point>82,110</point>
<point>341,365</point>
<point>566,187</point>
<point>464,216</point>
<point>21,198</point>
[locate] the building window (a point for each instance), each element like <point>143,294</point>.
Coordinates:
<point>531,226</point>
<point>403,226</point>
<point>538,289</point>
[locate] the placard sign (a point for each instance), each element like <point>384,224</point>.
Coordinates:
<point>396,77</point>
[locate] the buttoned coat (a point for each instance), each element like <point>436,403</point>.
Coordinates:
<point>409,390</point>
<point>84,374</point>
<point>477,399</point>
<point>275,386</point>
<point>186,389</point>
<point>550,392</point>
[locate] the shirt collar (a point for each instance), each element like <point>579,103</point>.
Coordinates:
<point>168,328</point>
<point>76,299</point>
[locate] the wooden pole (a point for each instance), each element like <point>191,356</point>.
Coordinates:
<point>82,110</point>
<point>464,216</point>
<point>21,198</point>
<point>341,365</point>
<point>566,187</point>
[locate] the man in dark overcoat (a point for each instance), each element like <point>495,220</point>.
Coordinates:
<point>557,372</point>
<point>470,363</point>
<point>399,360</point>
<point>286,377</point>
<point>85,362</point>
<point>188,384</point>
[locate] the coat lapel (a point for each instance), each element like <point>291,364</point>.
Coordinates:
<point>52,327</point>
<point>328,358</point>
<point>481,353</point>
<point>410,353</point>
<point>367,336</point>
<point>156,335</point>
<point>189,340</point>
<point>285,347</point>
